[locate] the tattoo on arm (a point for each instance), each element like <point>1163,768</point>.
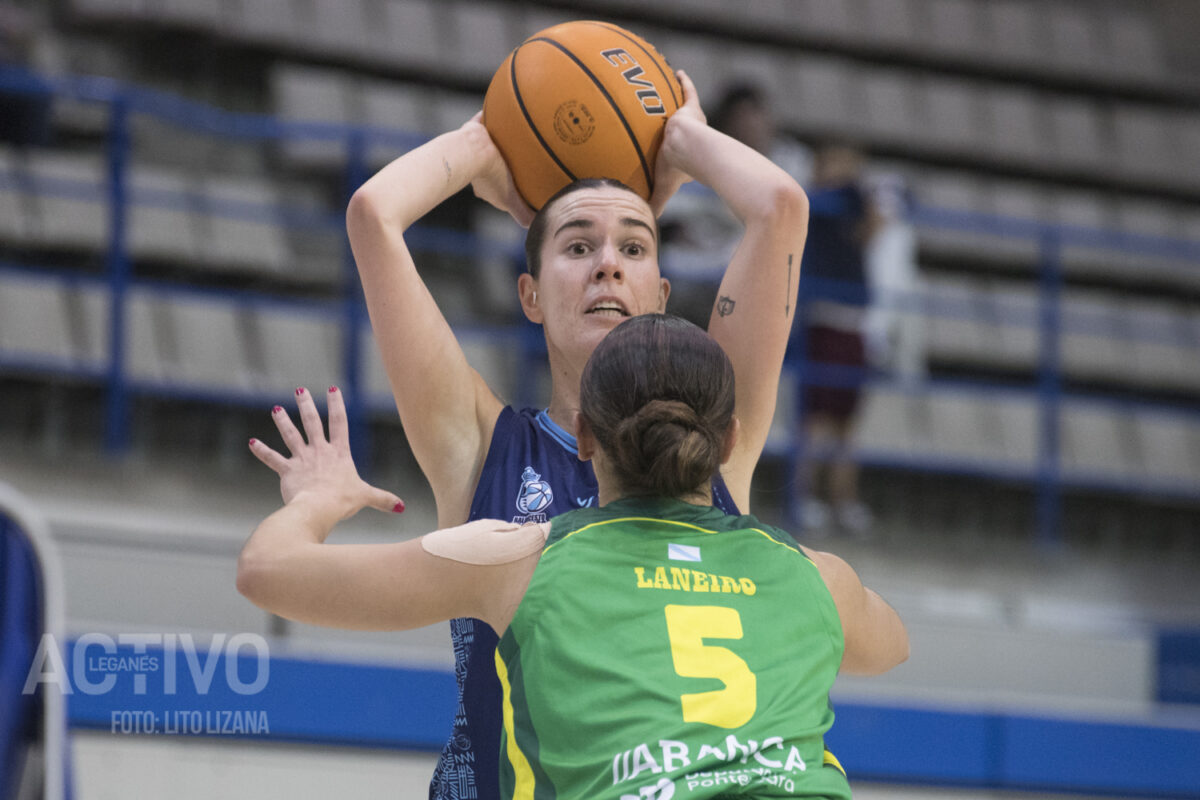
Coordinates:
<point>446,166</point>
<point>725,306</point>
<point>787,303</point>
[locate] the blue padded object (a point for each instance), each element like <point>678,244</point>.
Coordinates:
<point>20,631</point>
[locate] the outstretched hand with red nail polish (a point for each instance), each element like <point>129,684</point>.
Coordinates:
<point>321,470</point>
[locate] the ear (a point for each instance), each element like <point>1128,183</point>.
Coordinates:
<point>731,438</point>
<point>527,291</point>
<point>664,291</point>
<point>585,442</point>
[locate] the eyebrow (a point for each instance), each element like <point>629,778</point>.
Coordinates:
<point>587,223</point>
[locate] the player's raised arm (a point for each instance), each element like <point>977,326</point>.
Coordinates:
<point>479,569</point>
<point>756,301</point>
<point>447,409</point>
<point>875,637</point>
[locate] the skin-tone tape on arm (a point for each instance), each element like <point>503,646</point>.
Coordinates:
<point>487,542</point>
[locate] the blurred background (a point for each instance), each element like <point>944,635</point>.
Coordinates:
<point>1010,454</point>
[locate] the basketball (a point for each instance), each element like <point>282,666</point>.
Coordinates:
<point>583,99</point>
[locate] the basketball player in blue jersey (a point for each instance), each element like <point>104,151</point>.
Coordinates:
<point>593,261</point>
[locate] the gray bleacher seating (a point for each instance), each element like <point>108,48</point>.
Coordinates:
<point>277,23</point>
<point>953,27</point>
<point>449,110</point>
<point>890,424</point>
<point>243,228</point>
<point>377,390</point>
<point>200,14</point>
<point>834,19</point>
<point>205,342</point>
<point>957,427</point>
<point>88,309</point>
<point>1186,143</point>
<point>1022,201</point>
<point>1011,31</point>
<point>1014,122</point>
<point>1096,442</point>
<point>953,191</point>
<point>108,9</point>
<point>1168,447</point>
<point>409,34</point>
<point>481,35</point>
<point>952,113</point>
<point>337,27</point>
<point>162,221</point>
<point>1142,137</point>
<point>145,337</point>
<point>1077,133</point>
<point>1074,42</point>
<point>394,106</point>
<point>889,23</point>
<point>69,204</point>
<point>890,106</point>
<point>767,68</point>
<point>1092,347</point>
<point>1083,209</point>
<point>1013,324</point>
<point>1016,415</point>
<point>700,58</point>
<point>953,328</point>
<point>34,325</point>
<point>14,221</point>
<point>311,94</point>
<point>293,347</point>
<point>1134,44</point>
<point>825,92</point>
<point>1165,353</point>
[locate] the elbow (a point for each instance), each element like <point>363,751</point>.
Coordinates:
<point>253,579</point>
<point>783,204</point>
<point>364,207</point>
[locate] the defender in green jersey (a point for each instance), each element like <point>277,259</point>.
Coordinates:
<point>651,648</point>
<point>665,649</point>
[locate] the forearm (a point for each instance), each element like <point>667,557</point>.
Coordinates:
<point>416,182</point>
<point>747,182</point>
<point>271,566</point>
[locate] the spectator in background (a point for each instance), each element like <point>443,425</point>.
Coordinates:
<point>894,331</point>
<point>828,339</point>
<point>24,116</point>
<point>699,233</point>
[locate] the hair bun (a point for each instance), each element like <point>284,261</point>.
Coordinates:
<point>669,443</point>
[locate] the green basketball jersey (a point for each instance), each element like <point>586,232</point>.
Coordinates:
<point>665,650</point>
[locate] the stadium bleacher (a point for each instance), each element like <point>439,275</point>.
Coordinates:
<point>1034,136</point>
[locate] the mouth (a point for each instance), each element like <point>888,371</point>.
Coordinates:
<point>608,308</point>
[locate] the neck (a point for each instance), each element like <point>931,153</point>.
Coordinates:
<point>564,390</point>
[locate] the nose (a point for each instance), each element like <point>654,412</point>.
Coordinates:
<point>608,264</point>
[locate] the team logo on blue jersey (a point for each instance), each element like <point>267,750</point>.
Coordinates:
<point>535,494</point>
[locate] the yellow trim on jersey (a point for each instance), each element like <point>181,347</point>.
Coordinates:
<point>524,784</point>
<point>830,760</point>
<point>630,519</point>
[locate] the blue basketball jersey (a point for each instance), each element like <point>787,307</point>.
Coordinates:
<point>532,473</point>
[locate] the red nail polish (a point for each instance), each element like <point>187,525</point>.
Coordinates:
<point>276,409</point>
<point>332,389</point>
<point>399,507</point>
<point>252,441</point>
<point>300,390</point>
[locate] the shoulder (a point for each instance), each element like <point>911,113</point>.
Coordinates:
<point>486,542</point>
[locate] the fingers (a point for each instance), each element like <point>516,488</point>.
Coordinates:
<point>291,436</point>
<point>384,501</point>
<point>339,435</point>
<point>268,456</point>
<point>314,431</point>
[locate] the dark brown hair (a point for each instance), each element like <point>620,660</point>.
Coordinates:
<point>658,395</point>
<point>535,237</point>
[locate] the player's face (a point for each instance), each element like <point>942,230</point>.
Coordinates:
<point>599,267</point>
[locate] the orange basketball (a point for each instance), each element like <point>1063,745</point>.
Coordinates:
<point>582,99</point>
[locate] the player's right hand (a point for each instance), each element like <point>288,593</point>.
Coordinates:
<point>494,184</point>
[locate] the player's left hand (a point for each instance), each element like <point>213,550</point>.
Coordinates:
<point>321,470</point>
<point>668,177</point>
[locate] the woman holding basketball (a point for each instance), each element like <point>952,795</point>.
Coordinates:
<point>595,262</point>
<point>616,622</point>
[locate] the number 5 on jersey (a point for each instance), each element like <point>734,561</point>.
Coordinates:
<point>687,628</point>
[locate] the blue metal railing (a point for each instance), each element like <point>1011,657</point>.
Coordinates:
<point>125,103</point>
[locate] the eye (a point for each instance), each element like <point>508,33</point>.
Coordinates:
<point>635,249</point>
<point>577,249</point>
